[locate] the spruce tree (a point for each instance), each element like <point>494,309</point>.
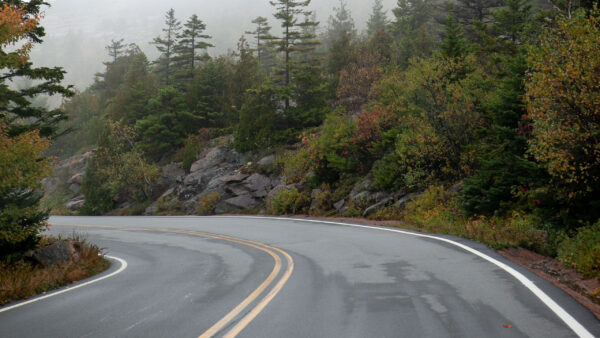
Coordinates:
<point>453,45</point>
<point>115,49</point>
<point>16,103</point>
<point>264,47</point>
<point>378,20</point>
<point>294,39</point>
<point>340,25</point>
<point>191,42</point>
<point>166,46</point>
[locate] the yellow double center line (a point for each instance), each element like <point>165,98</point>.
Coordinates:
<point>235,312</point>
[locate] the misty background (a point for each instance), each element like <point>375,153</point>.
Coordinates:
<point>77,31</point>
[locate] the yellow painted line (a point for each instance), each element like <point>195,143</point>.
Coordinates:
<point>229,317</point>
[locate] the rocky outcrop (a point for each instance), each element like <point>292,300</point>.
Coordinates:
<point>59,252</point>
<point>218,169</point>
<point>67,178</point>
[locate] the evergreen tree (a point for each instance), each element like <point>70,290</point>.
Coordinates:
<point>24,127</point>
<point>411,31</point>
<point>378,20</point>
<point>246,75</point>
<point>453,44</point>
<point>209,96</point>
<point>167,125</point>
<point>503,166</point>
<point>189,46</point>
<point>294,39</point>
<point>264,47</point>
<point>139,85</point>
<point>21,24</point>
<point>340,25</point>
<point>115,49</point>
<point>166,46</point>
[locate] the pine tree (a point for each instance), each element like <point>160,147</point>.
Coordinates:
<point>16,103</point>
<point>453,45</point>
<point>378,20</point>
<point>411,30</point>
<point>295,39</point>
<point>115,49</point>
<point>340,25</point>
<point>139,85</point>
<point>166,46</point>
<point>190,43</point>
<point>264,47</point>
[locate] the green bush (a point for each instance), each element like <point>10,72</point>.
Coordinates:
<point>207,203</point>
<point>582,252</point>
<point>289,201</point>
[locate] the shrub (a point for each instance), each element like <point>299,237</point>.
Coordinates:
<point>289,201</point>
<point>582,252</point>
<point>23,279</point>
<point>207,203</point>
<point>296,165</point>
<point>439,211</point>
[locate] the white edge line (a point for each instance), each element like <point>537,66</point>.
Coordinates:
<point>70,288</point>
<point>573,324</point>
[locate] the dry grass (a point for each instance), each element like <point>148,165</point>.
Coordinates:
<point>24,279</point>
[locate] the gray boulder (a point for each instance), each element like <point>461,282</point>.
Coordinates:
<point>339,206</point>
<point>266,161</point>
<point>75,188</point>
<point>236,203</point>
<point>59,252</point>
<point>76,203</point>
<point>378,206</point>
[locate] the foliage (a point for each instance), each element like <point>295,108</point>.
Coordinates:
<point>19,32</point>
<point>165,69</point>
<point>259,121</point>
<point>167,125</point>
<point>21,170</point>
<point>378,20</point>
<point>582,251</point>
<point>117,169</point>
<point>563,102</point>
<point>190,41</point>
<point>191,148</point>
<point>288,201</point>
<point>438,211</point>
<point>207,203</point>
<point>22,279</point>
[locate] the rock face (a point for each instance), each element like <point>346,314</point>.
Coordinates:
<point>68,174</point>
<point>56,253</point>
<point>218,169</point>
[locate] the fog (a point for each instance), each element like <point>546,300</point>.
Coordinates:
<point>78,30</point>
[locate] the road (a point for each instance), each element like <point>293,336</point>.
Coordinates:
<point>257,277</point>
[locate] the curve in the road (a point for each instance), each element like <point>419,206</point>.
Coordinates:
<point>579,329</point>
<point>71,288</point>
<point>230,317</point>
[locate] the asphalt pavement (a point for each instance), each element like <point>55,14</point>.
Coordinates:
<point>260,277</point>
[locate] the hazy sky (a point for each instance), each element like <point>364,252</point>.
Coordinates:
<point>78,30</point>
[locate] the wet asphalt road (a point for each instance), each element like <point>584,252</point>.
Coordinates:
<point>344,282</point>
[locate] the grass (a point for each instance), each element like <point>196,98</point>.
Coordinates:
<point>24,279</point>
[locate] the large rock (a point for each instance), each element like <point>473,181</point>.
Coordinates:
<point>76,203</point>
<point>236,203</point>
<point>76,179</point>
<point>266,161</point>
<point>359,188</point>
<point>378,206</point>
<point>59,252</point>
<point>172,173</point>
<point>258,184</point>
<point>210,158</point>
